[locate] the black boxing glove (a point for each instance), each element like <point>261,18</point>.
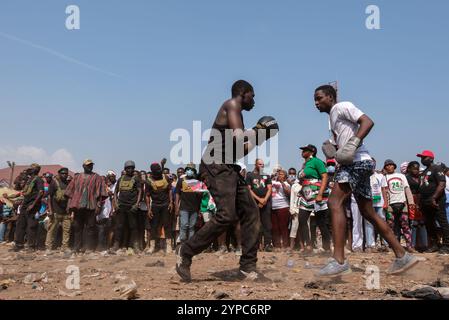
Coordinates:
<point>267,124</point>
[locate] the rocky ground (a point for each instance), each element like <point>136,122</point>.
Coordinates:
<point>36,276</point>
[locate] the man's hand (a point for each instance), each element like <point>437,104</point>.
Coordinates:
<point>72,216</point>
<point>150,214</point>
<point>163,162</point>
<point>435,203</point>
<point>170,206</point>
<point>345,156</point>
<point>135,208</point>
<point>386,205</point>
<point>319,198</point>
<point>177,211</point>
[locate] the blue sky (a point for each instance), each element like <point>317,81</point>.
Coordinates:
<point>159,65</point>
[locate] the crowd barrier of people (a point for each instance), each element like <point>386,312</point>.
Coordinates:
<point>144,212</point>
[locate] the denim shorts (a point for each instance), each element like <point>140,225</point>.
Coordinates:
<point>358,176</point>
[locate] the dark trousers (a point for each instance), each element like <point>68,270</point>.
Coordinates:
<point>126,219</point>
<point>267,227</point>
<point>161,218</point>
<point>320,218</point>
<point>85,220</point>
<point>141,216</point>
<point>234,202</point>
<point>26,224</point>
<point>431,215</point>
<point>104,228</point>
<point>280,219</point>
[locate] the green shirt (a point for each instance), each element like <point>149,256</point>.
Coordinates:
<point>314,168</point>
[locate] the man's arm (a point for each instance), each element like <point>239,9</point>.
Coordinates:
<point>324,178</point>
<point>438,193</point>
<point>50,199</point>
<point>287,188</point>
<point>177,203</point>
<point>254,195</point>
<point>234,114</point>
<point>148,203</point>
<point>385,195</point>
<point>114,201</point>
<point>139,196</point>
<point>268,195</point>
<point>365,126</point>
<point>40,186</point>
<point>170,197</point>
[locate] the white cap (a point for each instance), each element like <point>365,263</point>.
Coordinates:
<point>111,173</point>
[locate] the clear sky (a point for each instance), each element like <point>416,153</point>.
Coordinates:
<point>136,70</point>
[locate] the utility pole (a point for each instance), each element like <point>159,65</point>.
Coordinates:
<point>12,165</point>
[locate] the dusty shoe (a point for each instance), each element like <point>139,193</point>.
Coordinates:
<point>168,249</point>
<point>401,265</point>
<point>222,250</point>
<point>183,264</point>
<point>334,269</point>
<point>238,251</point>
<point>152,247</point>
<point>444,251</point>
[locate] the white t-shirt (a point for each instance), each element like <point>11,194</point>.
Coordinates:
<point>107,207</point>
<point>294,198</point>
<point>343,120</point>
<point>395,184</point>
<point>278,198</point>
<point>447,189</point>
<point>376,189</point>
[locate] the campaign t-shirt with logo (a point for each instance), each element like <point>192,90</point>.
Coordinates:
<point>395,184</point>
<point>430,179</point>
<point>343,119</point>
<point>279,199</point>
<point>190,194</point>
<point>376,190</point>
<point>258,183</point>
<point>311,185</point>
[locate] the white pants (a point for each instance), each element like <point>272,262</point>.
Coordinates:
<point>357,229</point>
<point>294,227</point>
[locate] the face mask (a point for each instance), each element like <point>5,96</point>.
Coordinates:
<point>426,162</point>
<point>331,169</point>
<point>190,173</point>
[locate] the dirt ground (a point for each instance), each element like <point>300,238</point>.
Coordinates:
<point>36,276</point>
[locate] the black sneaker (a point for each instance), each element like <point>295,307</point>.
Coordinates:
<point>269,248</point>
<point>444,250</point>
<point>432,249</point>
<point>183,264</point>
<point>16,249</point>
